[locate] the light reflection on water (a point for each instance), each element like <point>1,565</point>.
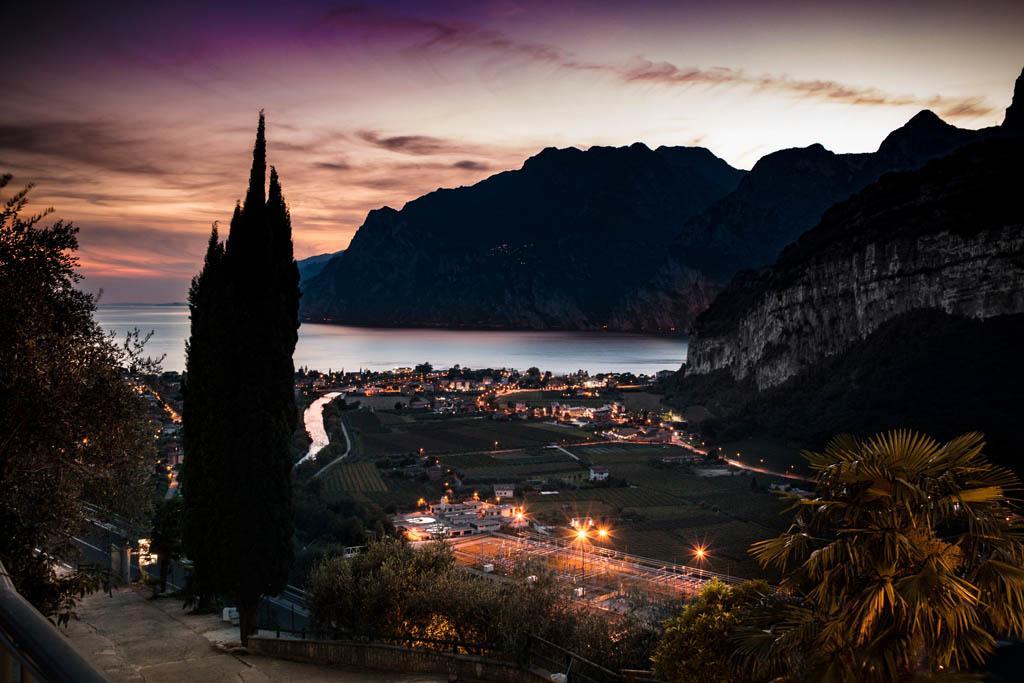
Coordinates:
<point>351,348</point>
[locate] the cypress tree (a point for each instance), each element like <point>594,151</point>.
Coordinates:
<point>199,532</point>
<point>244,404</point>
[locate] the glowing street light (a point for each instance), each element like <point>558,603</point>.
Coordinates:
<point>602,533</point>
<point>700,553</point>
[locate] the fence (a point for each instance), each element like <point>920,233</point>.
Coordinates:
<point>546,656</point>
<point>406,653</point>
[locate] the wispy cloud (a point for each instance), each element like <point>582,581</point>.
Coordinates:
<point>433,35</point>
<point>470,165</point>
<point>665,73</point>
<point>419,145</point>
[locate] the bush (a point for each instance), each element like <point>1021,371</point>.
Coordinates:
<point>698,643</point>
<point>394,590</point>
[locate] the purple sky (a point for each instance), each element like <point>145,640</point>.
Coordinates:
<point>136,122</point>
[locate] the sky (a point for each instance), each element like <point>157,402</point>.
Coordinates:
<point>136,120</point>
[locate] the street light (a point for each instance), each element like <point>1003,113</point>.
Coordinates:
<point>581,537</point>
<point>700,553</point>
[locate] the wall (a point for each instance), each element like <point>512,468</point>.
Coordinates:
<point>393,658</point>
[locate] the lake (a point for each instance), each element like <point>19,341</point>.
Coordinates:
<point>337,347</point>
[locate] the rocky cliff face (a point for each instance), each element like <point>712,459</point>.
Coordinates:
<point>949,237</point>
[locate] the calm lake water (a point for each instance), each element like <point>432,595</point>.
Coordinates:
<point>339,347</point>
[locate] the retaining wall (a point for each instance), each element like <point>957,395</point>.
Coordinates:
<point>394,658</point>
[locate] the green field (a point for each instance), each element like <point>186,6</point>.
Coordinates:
<point>513,466</point>
<point>641,400</point>
<point>460,435</point>
<point>353,477</point>
<point>536,398</point>
<point>611,454</point>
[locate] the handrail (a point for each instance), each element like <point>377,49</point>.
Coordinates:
<point>32,641</point>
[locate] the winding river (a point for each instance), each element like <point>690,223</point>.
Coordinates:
<point>314,421</point>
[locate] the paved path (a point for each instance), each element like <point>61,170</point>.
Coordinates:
<point>133,638</point>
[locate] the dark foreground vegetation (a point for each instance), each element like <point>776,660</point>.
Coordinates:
<point>907,561</point>
<point>73,428</point>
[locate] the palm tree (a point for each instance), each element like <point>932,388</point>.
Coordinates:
<point>907,561</point>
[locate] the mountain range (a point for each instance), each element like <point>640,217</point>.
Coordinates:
<point>903,306</point>
<point>622,238</point>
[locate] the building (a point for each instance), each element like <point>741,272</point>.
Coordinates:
<point>598,473</point>
<point>503,491</point>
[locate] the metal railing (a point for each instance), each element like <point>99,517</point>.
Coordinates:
<point>547,656</point>
<point>31,649</point>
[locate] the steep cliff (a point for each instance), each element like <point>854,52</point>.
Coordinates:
<point>903,307</point>
<point>949,237</point>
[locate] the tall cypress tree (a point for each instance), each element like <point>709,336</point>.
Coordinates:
<point>199,416</point>
<point>243,411</point>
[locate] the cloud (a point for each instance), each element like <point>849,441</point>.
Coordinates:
<point>470,165</point>
<point>96,143</point>
<point>665,73</point>
<point>432,35</point>
<point>333,165</point>
<point>419,145</point>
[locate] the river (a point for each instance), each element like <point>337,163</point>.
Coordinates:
<point>340,347</point>
<point>313,418</point>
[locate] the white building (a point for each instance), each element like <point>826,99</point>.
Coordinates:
<point>504,491</point>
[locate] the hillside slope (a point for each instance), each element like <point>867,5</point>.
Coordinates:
<point>904,306</point>
<point>552,245</point>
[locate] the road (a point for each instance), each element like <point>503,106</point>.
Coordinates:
<point>762,470</point>
<point>287,610</point>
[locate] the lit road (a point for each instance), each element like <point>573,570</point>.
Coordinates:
<point>762,470</point>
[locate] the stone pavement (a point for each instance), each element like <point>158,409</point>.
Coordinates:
<point>133,638</point>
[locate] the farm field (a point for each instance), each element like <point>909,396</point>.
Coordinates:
<point>460,435</point>
<point>640,400</point>
<point>353,477</point>
<point>537,398</point>
<point>609,454</point>
<point>666,512</point>
<point>512,466</point>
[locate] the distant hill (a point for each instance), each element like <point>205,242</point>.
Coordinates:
<point>556,244</point>
<point>903,307</point>
<point>311,266</point>
<point>783,196</point>
<point>609,238</point>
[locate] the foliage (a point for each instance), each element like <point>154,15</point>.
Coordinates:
<point>239,401</point>
<point>907,561</point>
<point>72,426</point>
<point>165,538</point>
<point>395,590</point>
<point>697,644</point>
